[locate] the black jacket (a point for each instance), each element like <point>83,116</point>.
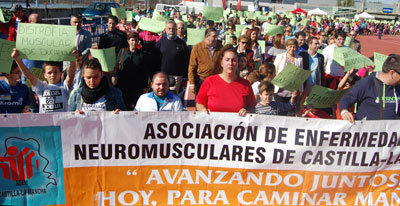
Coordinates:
<point>321,69</point>
<point>113,38</point>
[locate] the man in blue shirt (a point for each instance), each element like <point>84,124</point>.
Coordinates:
<point>312,61</point>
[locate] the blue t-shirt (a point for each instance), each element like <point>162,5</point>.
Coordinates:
<point>159,100</point>
<point>13,99</point>
<point>313,61</point>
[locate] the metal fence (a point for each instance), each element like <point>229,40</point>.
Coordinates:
<point>96,27</point>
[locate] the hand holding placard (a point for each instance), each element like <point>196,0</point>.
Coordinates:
<point>322,97</point>
<point>6,48</point>
<point>106,58</point>
<point>152,25</point>
<point>379,59</point>
<point>273,30</point>
<point>195,36</point>
<point>291,78</point>
<point>119,12</point>
<point>46,42</point>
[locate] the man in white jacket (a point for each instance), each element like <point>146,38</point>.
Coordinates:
<point>160,99</point>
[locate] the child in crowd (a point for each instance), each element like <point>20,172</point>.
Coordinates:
<point>53,94</point>
<point>266,72</point>
<point>14,96</point>
<point>242,70</point>
<point>267,105</point>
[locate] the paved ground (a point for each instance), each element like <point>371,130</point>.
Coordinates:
<point>389,44</point>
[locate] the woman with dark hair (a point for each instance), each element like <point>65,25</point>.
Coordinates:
<point>253,45</point>
<point>132,72</point>
<point>226,92</point>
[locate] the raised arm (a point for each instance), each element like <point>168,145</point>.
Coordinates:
<point>69,79</point>
<point>25,71</point>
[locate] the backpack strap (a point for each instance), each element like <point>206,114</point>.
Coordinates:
<point>378,90</point>
<point>120,59</point>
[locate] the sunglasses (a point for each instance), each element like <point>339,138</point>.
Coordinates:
<point>244,42</point>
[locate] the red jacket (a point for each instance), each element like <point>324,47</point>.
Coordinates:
<point>9,28</point>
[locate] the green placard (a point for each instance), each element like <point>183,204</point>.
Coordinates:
<point>151,25</point>
<point>106,58</point>
<point>38,73</point>
<point>6,48</point>
<point>305,22</point>
<point>242,20</point>
<point>251,15</point>
<point>128,16</point>
<point>379,59</point>
<point>227,41</point>
<point>348,41</point>
<point>157,16</point>
<point>318,19</point>
<point>239,27</point>
<point>185,18</point>
<point>46,42</point>
<point>293,21</point>
<point>240,14</point>
<point>322,97</point>
<point>2,16</point>
<point>262,17</point>
<point>273,30</point>
<point>119,12</point>
<point>195,36</point>
<point>291,78</point>
<point>262,45</point>
<point>213,13</point>
<point>349,58</point>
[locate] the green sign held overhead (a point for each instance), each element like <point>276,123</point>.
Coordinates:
<point>106,58</point>
<point>6,48</point>
<point>119,12</point>
<point>152,25</point>
<point>322,97</point>
<point>195,36</point>
<point>262,45</point>
<point>213,13</point>
<point>273,30</point>
<point>379,59</point>
<point>348,41</point>
<point>305,22</point>
<point>2,16</point>
<point>129,16</point>
<point>349,58</point>
<point>46,42</point>
<point>157,16</point>
<point>291,78</point>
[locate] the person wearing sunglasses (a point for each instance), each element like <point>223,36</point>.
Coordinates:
<point>242,48</point>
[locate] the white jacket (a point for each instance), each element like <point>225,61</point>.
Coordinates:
<point>279,63</point>
<point>147,103</point>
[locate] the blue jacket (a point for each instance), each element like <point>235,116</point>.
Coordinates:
<point>113,100</point>
<point>365,94</point>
